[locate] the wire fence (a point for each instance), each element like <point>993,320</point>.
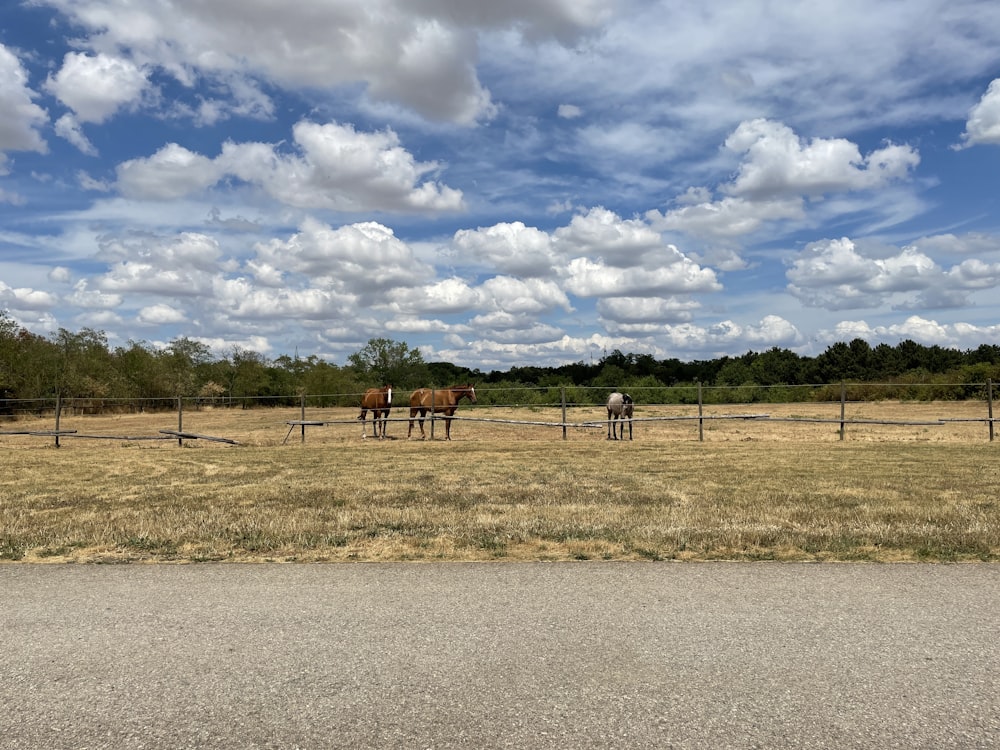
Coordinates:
<point>564,409</point>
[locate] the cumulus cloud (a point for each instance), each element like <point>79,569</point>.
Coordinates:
<point>160,314</point>
<point>180,266</point>
<point>777,172</point>
<point>602,233</point>
<point>26,299</point>
<point>508,247</point>
<point>365,258</point>
<point>450,295</point>
<point>172,172</point>
<point>838,275</point>
<point>90,299</point>
<point>22,118</point>
<point>96,86</point>
<point>647,312</point>
<point>776,162</point>
<point>719,338</point>
<point>728,218</point>
<point>333,167</point>
<point>589,278</point>
<point>417,55</point>
<point>983,124</point>
<point>915,328</point>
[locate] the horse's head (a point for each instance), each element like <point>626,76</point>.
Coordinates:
<point>465,390</point>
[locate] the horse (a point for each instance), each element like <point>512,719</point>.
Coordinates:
<point>378,401</point>
<point>438,400</point>
<point>620,406</point>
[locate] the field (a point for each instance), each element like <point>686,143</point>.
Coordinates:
<point>752,489</point>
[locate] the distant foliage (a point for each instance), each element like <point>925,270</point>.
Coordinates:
<point>82,365</point>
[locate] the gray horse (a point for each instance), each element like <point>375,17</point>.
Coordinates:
<point>619,408</point>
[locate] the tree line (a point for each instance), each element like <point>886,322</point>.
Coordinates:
<point>82,365</point>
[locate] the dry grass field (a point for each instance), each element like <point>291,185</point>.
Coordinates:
<point>783,487</point>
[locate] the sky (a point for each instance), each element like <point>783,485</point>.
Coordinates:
<point>532,182</point>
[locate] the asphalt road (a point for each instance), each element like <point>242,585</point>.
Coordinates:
<point>567,655</point>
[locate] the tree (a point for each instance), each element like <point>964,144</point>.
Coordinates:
<point>387,362</point>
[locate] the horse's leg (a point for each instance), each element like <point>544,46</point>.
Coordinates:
<point>413,413</point>
<point>364,413</point>
<point>629,429</point>
<point>609,424</point>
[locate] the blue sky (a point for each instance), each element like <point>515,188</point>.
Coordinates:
<point>502,184</point>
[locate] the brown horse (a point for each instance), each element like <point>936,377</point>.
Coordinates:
<point>435,400</point>
<point>378,401</point>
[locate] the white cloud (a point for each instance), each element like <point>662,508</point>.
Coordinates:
<point>778,163</point>
<point>26,298</point>
<point>508,247</point>
<point>335,167</point>
<point>365,258</point>
<point>421,56</point>
<point>587,278</point>
<point>67,127</point>
<point>172,172</point>
<point>838,275</point>
<point>97,86</point>
<point>983,125</point>
<point>729,218</point>
<point>22,118</point>
<point>569,111</point>
<point>646,310</point>
<point>519,296</point>
<point>60,275</point>
<point>160,314</point>
<point>92,300</point>
<point>450,295</point>
<point>604,234</point>
<point>915,328</point>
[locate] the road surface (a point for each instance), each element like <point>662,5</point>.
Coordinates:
<point>566,655</point>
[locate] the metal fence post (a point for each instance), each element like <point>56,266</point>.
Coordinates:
<point>180,421</point>
<point>989,401</point>
<point>562,391</point>
<point>843,404</point>
<point>302,399</point>
<point>58,415</point>
<point>432,413</point>
<point>701,420</point>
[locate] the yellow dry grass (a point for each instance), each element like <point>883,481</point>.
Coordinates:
<point>751,490</point>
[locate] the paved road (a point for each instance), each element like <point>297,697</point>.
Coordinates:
<point>589,655</point>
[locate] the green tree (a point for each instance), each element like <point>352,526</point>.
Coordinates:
<point>384,361</point>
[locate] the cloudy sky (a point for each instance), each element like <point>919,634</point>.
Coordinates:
<point>503,183</point>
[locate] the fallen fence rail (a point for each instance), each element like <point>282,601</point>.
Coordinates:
<point>180,435</point>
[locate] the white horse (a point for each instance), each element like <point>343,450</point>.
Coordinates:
<point>619,408</point>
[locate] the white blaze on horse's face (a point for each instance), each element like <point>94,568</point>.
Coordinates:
<point>473,392</point>
<point>388,397</point>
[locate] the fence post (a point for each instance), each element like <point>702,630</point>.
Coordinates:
<point>180,421</point>
<point>302,398</point>
<point>843,404</point>
<point>562,390</point>
<point>58,414</point>
<point>701,421</point>
<point>432,413</point>
<point>989,401</point>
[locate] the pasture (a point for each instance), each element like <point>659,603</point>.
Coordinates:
<point>752,489</point>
